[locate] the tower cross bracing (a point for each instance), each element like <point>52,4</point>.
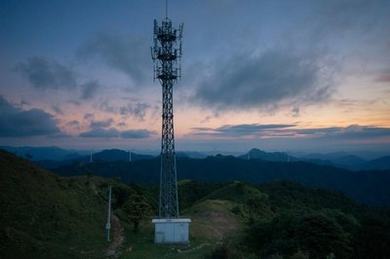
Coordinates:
<point>166,54</point>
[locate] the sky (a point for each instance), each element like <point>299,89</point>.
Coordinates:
<point>310,76</point>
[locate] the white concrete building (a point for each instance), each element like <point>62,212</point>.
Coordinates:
<point>171,231</point>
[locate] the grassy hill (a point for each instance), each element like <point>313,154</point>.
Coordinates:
<point>46,216</point>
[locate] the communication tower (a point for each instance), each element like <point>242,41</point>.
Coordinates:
<point>166,54</point>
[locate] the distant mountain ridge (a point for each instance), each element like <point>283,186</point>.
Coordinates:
<point>108,155</point>
<point>382,163</point>
<point>118,155</point>
<point>338,159</point>
<point>255,153</point>
<point>52,157</point>
<point>43,153</point>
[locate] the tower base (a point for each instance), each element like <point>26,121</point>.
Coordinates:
<point>171,231</point>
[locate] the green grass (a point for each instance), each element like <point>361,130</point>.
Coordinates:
<point>46,216</point>
<point>212,220</point>
<point>237,191</point>
<point>141,245</point>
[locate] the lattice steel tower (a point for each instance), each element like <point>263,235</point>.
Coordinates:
<point>166,55</point>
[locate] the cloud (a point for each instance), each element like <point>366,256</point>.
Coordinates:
<point>137,134</point>
<point>240,129</point>
<point>57,109</point>
<point>321,36</point>
<point>89,116</point>
<point>295,111</point>
<point>115,133</point>
<point>15,122</point>
<point>89,89</point>
<point>352,132</point>
<point>138,110</point>
<point>104,129</point>
<point>74,102</point>
<point>101,133</point>
<point>247,81</point>
<point>122,124</point>
<point>126,54</point>
<point>43,73</point>
<point>364,17</point>
<point>101,124</point>
<point>383,78</point>
<point>74,124</point>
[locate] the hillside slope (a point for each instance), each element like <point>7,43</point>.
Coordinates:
<point>45,216</point>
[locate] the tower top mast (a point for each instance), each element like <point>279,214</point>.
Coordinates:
<point>166,9</point>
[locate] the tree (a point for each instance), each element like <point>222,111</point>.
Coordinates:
<point>321,236</point>
<point>373,238</point>
<point>137,209</point>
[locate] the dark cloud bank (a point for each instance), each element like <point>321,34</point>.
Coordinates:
<point>15,122</point>
<point>126,54</point>
<point>89,89</point>
<point>104,129</point>
<point>289,130</point>
<point>43,73</point>
<point>101,124</point>
<point>304,64</point>
<point>247,81</point>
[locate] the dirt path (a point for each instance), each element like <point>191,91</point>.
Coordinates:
<point>117,238</point>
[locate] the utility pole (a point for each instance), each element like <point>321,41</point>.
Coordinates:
<point>108,225</point>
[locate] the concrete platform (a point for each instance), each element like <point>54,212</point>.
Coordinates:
<point>171,231</point>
